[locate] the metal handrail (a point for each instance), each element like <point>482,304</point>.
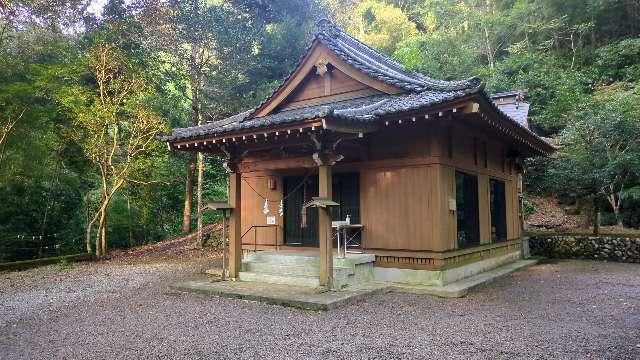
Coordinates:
<point>255,235</point>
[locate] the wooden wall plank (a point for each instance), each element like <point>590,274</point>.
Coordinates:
<point>396,204</point>
<point>448,226</point>
<point>252,206</point>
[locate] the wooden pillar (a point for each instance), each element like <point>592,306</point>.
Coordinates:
<point>235,231</point>
<point>324,227</point>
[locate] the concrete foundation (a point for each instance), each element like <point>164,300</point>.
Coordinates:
<point>443,277</point>
<point>462,287</point>
<point>306,297</point>
<point>303,269</point>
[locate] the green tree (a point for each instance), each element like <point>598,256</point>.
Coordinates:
<point>600,153</point>
<point>113,126</point>
<point>441,55</point>
<point>382,25</point>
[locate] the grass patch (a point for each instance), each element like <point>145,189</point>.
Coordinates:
<point>65,264</point>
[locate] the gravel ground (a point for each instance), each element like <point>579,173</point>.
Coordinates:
<point>121,310</point>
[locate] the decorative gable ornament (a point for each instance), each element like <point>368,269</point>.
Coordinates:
<point>321,67</point>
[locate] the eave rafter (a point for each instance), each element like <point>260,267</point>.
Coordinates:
<point>246,137</point>
<point>475,105</point>
<point>500,121</point>
<point>282,137</point>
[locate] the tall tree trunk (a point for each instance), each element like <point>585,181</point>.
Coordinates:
<point>89,226</point>
<point>596,218</point>
<point>188,198</point>
<point>195,75</point>
<point>573,50</point>
<point>129,220</point>
<point>616,212</point>
<point>97,217</point>
<point>614,201</point>
<point>103,232</point>
<point>200,165</point>
<point>194,78</point>
<point>98,234</point>
<point>490,58</point>
<point>100,248</point>
<point>101,217</point>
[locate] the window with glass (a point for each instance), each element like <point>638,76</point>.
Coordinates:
<point>468,219</point>
<point>498,207</point>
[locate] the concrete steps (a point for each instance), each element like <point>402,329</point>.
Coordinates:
<point>281,269</point>
<point>298,268</point>
<point>282,257</point>
<point>297,280</point>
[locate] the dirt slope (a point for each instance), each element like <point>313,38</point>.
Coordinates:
<point>173,249</point>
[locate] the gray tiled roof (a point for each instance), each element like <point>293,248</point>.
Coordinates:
<point>400,103</point>
<point>512,103</point>
<point>240,121</point>
<point>420,92</point>
<point>381,67</point>
<point>361,109</point>
<point>517,111</point>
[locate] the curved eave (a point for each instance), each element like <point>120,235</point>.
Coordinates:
<point>211,142</point>
<point>371,118</point>
<point>510,127</point>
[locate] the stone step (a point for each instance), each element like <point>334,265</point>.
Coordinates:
<point>292,269</point>
<point>310,281</point>
<point>284,258</point>
<point>302,258</point>
<point>281,269</point>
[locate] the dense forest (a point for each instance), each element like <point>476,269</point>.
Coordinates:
<point>86,86</point>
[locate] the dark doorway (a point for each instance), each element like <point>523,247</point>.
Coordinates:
<point>468,219</point>
<point>498,207</point>
<point>301,226</point>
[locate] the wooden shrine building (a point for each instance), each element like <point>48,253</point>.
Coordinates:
<point>429,168</point>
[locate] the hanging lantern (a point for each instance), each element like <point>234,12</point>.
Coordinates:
<point>281,208</point>
<point>265,209</point>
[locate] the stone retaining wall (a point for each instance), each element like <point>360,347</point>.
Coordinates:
<point>603,247</point>
<point>27,264</point>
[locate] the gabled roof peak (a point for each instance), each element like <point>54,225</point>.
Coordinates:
<point>380,66</point>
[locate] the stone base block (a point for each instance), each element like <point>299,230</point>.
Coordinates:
<point>442,277</point>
